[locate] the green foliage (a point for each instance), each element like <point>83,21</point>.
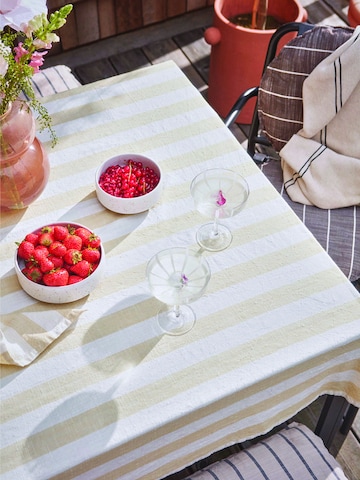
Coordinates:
<point>21,55</point>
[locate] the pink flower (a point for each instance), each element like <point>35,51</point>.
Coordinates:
<point>221,200</point>
<point>20,52</point>
<point>37,60</point>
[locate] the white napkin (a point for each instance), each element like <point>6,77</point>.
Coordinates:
<point>25,334</point>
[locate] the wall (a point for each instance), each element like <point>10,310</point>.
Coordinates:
<point>93,20</point>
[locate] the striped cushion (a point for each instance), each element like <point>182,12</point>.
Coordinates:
<point>280,91</point>
<point>293,453</point>
<point>54,80</point>
<point>337,230</point>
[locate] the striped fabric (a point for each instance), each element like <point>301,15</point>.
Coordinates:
<point>54,80</point>
<point>292,454</point>
<point>280,92</point>
<point>337,230</point>
<point>114,398</point>
<point>280,116</point>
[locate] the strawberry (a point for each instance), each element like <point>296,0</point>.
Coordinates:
<point>46,265</point>
<point>56,278</point>
<point>74,279</point>
<point>82,268</point>
<point>25,250</point>
<point>60,232</point>
<point>93,241</point>
<point>73,241</point>
<point>83,233</point>
<point>72,256</point>
<point>33,273</point>
<point>92,255</point>
<point>46,239</point>
<point>40,252</point>
<point>57,248</point>
<point>57,261</point>
<point>32,238</point>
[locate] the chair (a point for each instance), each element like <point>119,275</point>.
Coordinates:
<point>278,115</point>
<point>293,452</point>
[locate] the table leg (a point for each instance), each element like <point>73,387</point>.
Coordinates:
<point>331,418</point>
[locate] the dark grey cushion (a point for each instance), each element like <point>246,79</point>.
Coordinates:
<point>280,92</point>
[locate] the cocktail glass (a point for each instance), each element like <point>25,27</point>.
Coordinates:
<point>177,276</point>
<point>218,193</point>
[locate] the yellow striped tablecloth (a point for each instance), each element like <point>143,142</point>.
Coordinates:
<point>112,398</point>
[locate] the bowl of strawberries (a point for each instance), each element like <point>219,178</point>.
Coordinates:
<point>60,262</point>
<point>128,184</point>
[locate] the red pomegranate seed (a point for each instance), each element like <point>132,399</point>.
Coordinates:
<point>129,180</point>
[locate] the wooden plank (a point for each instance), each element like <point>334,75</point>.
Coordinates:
<point>128,61</point>
<point>340,7</point>
<point>87,23</point>
<point>128,15</point>
<point>175,7</point>
<point>167,49</point>
<point>107,22</point>
<point>195,4</point>
<point>196,49</point>
<point>349,456</point>
<point>94,71</point>
<point>320,13</point>
<point>69,33</point>
<point>153,11</point>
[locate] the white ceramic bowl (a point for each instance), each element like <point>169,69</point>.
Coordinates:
<point>128,205</point>
<point>67,293</point>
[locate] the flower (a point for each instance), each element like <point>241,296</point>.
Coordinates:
<point>15,12</point>
<point>26,36</point>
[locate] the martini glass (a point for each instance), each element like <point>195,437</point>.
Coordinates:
<point>218,193</point>
<point>177,276</point>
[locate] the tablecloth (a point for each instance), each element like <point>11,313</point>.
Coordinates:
<point>112,397</point>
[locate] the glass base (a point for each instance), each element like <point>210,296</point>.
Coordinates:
<point>177,322</point>
<point>213,242</point>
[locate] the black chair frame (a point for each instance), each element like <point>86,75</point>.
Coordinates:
<point>337,414</point>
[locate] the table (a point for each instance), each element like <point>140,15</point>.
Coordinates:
<point>112,397</point>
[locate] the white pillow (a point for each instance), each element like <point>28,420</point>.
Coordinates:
<point>295,452</point>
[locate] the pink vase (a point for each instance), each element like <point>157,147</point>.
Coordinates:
<point>24,164</point>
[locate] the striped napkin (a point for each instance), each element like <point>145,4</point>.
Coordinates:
<point>321,164</point>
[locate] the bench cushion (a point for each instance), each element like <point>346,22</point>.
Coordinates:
<point>293,453</point>
<point>337,230</point>
<point>54,80</point>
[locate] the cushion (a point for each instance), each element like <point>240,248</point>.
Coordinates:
<point>280,94</point>
<point>293,453</point>
<point>337,230</point>
<point>54,80</point>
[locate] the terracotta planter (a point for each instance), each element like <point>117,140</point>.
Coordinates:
<point>354,13</point>
<point>24,165</point>
<point>238,53</point>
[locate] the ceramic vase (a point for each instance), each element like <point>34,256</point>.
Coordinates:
<point>24,164</point>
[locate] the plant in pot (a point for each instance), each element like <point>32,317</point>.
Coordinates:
<point>26,35</point>
<point>239,39</point>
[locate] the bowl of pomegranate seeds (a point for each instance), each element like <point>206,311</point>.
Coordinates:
<point>60,262</point>
<point>128,184</point>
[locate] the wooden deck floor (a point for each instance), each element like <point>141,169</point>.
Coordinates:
<point>181,40</point>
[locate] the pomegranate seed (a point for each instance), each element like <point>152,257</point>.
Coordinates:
<point>129,180</point>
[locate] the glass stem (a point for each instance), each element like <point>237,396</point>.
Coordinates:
<point>177,311</point>
<point>215,231</point>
